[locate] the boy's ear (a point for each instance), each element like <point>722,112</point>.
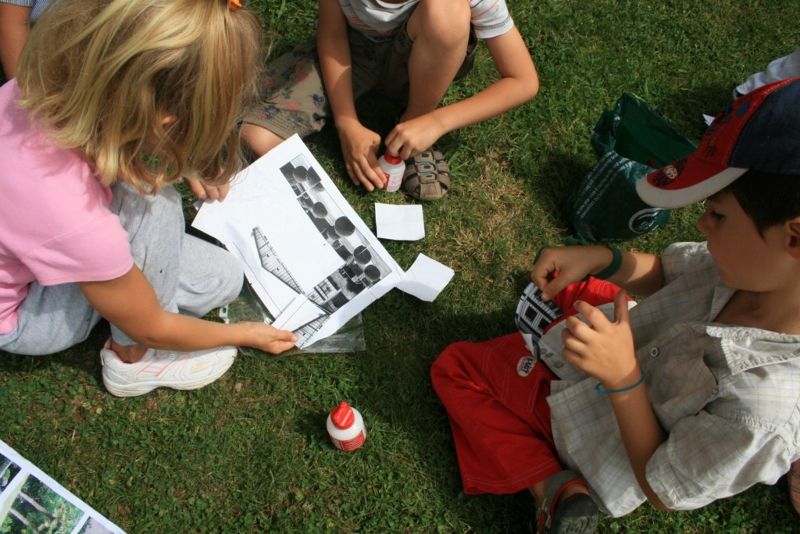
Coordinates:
<point>792,227</point>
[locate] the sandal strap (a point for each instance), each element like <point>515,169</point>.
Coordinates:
<point>553,490</point>
<point>427,175</point>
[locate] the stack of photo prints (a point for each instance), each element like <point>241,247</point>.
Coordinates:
<point>31,501</point>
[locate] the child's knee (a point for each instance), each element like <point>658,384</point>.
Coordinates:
<point>445,23</point>
<point>258,139</point>
<point>447,365</point>
<point>231,279</point>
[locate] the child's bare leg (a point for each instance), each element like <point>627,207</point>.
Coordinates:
<point>439,32</point>
<point>794,485</point>
<point>128,353</point>
<point>259,140</point>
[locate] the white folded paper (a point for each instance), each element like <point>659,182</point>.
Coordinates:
<point>426,278</point>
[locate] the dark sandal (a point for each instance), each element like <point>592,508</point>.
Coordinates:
<point>577,514</point>
<point>427,175</point>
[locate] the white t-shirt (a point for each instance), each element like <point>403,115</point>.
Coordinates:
<point>779,69</point>
<point>376,18</point>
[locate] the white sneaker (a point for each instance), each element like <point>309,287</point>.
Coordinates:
<point>164,368</point>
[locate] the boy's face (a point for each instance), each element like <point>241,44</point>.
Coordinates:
<point>746,260</point>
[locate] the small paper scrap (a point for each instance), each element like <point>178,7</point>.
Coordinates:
<point>708,119</point>
<point>426,278</point>
<point>399,222</point>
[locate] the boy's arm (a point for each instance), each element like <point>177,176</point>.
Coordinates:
<point>605,350</point>
<point>359,144</point>
<point>556,268</point>
<point>130,303</point>
<point>518,84</point>
<point>14,28</point>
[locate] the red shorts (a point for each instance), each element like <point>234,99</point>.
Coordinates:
<point>496,400</point>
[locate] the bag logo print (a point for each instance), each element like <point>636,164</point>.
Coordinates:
<point>644,220</point>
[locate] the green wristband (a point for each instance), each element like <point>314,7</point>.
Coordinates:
<point>613,267</point>
<point>603,391</point>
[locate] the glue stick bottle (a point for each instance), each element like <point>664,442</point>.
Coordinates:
<point>393,169</point>
<point>346,427</point>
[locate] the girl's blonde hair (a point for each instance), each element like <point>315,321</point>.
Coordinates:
<point>145,90</point>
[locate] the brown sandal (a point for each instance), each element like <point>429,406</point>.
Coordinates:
<point>427,175</point>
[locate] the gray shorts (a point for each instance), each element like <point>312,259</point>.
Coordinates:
<point>293,94</point>
<point>188,275</point>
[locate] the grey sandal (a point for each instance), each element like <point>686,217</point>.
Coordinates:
<point>427,175</point>
<point>576,514</point>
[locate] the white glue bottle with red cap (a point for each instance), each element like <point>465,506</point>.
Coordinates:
<point>346,427</point>
<point>393,169</point>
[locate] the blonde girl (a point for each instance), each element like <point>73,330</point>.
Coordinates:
<point>114,101</point>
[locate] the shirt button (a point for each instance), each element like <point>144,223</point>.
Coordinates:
<point>559,365</point>
<point>655,352</point>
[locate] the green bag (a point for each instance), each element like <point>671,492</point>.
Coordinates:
<point>631,140</point>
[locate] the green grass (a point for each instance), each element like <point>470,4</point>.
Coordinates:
<point>249,453</point>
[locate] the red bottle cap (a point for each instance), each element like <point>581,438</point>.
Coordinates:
<point>342,416</point>
<point>394,160</point>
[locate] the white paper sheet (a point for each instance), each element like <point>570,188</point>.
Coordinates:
<point>399,222</point>
<point>426,278</point>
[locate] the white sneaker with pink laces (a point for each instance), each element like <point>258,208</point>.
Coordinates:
<point>164,368</point>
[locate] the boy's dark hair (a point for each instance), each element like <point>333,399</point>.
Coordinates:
<point>767,198</point>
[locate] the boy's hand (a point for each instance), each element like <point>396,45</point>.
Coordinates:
<point>359,148</point>
<point>207,192</point>
<point>556,268</point>
<point>413,136</point>
<point>267,338</point>
<point>601,348</point>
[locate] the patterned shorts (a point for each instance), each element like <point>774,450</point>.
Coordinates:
<point>292,92</point>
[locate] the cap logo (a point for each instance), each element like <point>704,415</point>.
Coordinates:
<point>665,175</point>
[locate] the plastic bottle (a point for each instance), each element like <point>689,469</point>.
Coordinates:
<point>393,169</point>
<point>346,427</point>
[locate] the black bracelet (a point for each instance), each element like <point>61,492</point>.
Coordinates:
<point>613,267</point>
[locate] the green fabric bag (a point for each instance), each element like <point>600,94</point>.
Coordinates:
<point>631,140</point>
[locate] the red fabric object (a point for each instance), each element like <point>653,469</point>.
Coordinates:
<point>592,290</point>
<point>496,401</point>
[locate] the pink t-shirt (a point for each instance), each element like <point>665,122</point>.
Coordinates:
<point>55,223</point>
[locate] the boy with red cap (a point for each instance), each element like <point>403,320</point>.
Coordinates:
<point>690,396</point>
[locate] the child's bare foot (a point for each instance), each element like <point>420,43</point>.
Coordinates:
<point>794,485</point>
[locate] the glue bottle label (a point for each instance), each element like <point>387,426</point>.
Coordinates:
<point>346,427</point>
<point>393,169</point>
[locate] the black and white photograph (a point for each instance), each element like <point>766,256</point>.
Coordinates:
<point>309,257</point>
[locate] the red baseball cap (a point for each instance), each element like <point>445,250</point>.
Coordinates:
<point>760,131</point>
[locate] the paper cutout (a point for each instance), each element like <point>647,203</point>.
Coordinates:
<point>426,278</point>
<point>399,222</point>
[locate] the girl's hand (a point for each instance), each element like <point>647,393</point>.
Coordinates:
<point>413,136</point>
<point>601,348</point>
<point>556,268</point>
<point>359,148</point>
<point>207,192</point>
<point>267,338</point>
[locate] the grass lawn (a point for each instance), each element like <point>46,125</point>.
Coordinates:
<point>249,453</point>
